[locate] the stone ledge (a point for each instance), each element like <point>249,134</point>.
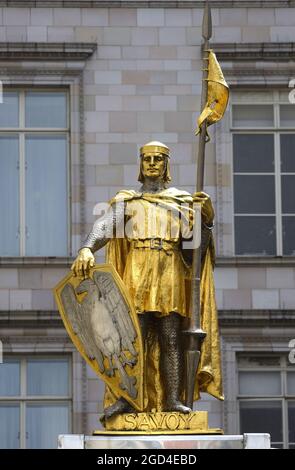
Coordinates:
<point>43,261</point>
<point>221,261</point>
<point>227,318</point>
<point>46,51</point>
<point>271,51</point>
<point>256,318</point>
<point>255,261</point>
<point>30,319</point>
<point>148,3</point>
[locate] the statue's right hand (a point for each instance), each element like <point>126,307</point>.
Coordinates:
<point>82,264</point>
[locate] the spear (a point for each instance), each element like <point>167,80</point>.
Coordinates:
<point>194,334</point>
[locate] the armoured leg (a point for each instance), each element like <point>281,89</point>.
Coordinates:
<point>171,361</point>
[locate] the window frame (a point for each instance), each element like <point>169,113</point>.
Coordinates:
<point>275,130</point>
<point>21,133</point>
<point>284,398</point>
<point>22,399</point>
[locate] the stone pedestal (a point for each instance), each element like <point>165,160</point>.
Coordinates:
<point>159,422</point>
<point>105,441</point>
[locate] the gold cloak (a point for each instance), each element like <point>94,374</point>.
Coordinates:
<point>209,377</point>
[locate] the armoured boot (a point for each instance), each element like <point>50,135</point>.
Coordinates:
<point>120,406</point>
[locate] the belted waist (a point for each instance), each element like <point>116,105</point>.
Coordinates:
<point>156,244</point>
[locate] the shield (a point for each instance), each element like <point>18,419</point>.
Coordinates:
<point>101,321</point>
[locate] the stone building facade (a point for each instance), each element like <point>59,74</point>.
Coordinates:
<point>124,73</point>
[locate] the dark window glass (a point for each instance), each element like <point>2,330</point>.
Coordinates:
<point>287,153</point>
<point>254,194</point>
<point>262,417</point>
<point>287,115</point>
<point>288,194</point>
<point>253,153</point>
<point>291,383</point>
<point>255,235</point>
<point>291,419</point>
<point>288,235</point>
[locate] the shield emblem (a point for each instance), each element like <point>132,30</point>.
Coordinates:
<point>101,321</point>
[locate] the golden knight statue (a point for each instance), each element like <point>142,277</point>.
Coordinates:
<point>154,263</point>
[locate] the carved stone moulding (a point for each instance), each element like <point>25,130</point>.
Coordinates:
<point>256,51</point>
<point>147,3</point>
<point>46,51</point>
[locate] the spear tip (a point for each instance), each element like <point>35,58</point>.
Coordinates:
<point>207,22</point>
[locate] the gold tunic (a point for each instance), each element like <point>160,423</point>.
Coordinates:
<point>155,272</point>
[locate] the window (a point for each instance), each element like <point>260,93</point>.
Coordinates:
<point>34,137</point>
<point>263,135</point>
<point>267,398</point>
<point>35,402</point>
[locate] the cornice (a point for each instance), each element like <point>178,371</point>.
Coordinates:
<point>30,319</point>
<point>256,318</point>
<point>27,261</point>
<point>271,51</point>
<point>227,318</point>
<point>255,261</point>
<point>147,3</point>
<point>64,51</point>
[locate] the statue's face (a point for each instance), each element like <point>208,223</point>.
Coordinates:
<point>153,165</point>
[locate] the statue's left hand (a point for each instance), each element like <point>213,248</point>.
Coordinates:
<point>207,208</point>
<point>83,263</point>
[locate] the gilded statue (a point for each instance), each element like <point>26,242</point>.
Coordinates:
<point>153,259</point>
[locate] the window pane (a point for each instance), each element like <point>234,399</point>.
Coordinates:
<point>46,195</point>
<point>9,379</point>
<point>259,361</point>
<point>288,194</point>
<point>9,109</point>
<point>255,235</point>
<point>48,377</point>
<point>252,115</point>
<point>291,383</point>
<point>9,426</point>
<point>44,423</point>
<point>287,153</point>
<point>253,153</point>
<point>287,115</point>
<point>288,235</point>
<point>262,416</point>
<point>45,109</point>
<point>259,383</point>
<point>291,419</point>
<point>254,194</point>
<point>9,201</point>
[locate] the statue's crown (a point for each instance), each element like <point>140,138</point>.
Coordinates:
<point>155,147</point>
